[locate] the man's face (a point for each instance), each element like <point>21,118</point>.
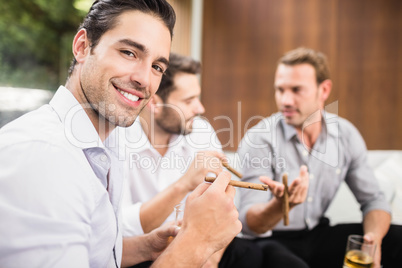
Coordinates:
<point>297,94</point>
<point>181,106</point>
<point>121,74</point>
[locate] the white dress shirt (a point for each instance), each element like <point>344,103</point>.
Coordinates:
<point>54,206</point>
<point>147,172</point>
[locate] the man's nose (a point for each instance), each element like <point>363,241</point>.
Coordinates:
<point>141,75</point>
<point>199,108</point>
<point>287,98</point>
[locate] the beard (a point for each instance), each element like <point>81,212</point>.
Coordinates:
<point>101,99</point>
<point>171,122</point>
<point>103,103</point>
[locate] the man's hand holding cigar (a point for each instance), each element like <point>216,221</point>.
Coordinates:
<point>272,210</point>
<point>297,189</point>
<point>204,162</point>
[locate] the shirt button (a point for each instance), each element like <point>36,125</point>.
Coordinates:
<point>310,199</point>
<point>103,158</point>
<point>311,176</point>
<point>308,220</point>
<point>338,171</point>
<point>305,153</point>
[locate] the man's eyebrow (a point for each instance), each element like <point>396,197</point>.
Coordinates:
<point>137,45</point>
<point>191,97</point>
<point>143,49</point>
<point>164,61</point>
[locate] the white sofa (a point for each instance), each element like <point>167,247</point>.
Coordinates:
<point>387,166</point>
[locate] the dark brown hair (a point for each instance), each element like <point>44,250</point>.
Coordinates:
<point>103,16</point>
<point>177,64</point>
<point>307,55</point>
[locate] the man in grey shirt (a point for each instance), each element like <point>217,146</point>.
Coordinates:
<point>318,150</point>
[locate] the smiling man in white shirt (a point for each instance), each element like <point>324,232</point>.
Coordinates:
<point>60,186</point>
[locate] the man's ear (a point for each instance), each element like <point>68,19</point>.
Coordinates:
<point>81,46</point>
<point>326,87</point>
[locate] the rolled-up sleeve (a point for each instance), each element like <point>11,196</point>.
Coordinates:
<point>360,177</point>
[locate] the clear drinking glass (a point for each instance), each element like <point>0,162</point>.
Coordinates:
<point>178,211</point>
<point>359,254</point>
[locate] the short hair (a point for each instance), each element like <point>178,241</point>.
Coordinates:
<point>177,64</point>
<point>307,55</point>
<point>103,14</point>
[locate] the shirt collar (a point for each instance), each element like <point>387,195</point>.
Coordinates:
<point>130,139</point>
<point>329,123</point>
<point>78,128</point>
<point>288,130</point>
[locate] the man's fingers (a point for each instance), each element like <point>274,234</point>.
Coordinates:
<point>265,179</point>
<point>303,172</point>
<point>368,237</point>
<point>275,187</point>
<point>221,181</point>
<point>294,186</point>
<point>199,190</point>
<point>167,230</point>
<point>212,160</point>
<point>230,191</point>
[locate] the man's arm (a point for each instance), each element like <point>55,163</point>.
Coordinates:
<point>264,216</point>
<point>155,211</point>
<point>210,222</point>
<point>375,225</point>
<point>146,247</point>
<point>364,185</point>
<point>44,203</point>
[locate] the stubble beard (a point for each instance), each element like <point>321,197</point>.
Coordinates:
<point>178,127</point>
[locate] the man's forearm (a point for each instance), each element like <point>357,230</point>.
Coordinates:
<point>134,251</point>
<point>154,212</point>
<point>265,216</point>
<point>183,252</point>
<point>377,222</point>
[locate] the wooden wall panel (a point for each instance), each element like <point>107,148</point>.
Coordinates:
<point>182,31</point>
<point>242,41</point>
<point>369,52</point>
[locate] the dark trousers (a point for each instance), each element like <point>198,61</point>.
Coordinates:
<point>324,246</point>
<point>240,253</point>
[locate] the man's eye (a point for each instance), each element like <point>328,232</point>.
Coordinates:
<point>128,53</point>
<point>158,68</point>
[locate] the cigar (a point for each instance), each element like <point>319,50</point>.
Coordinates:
<point>242,184</point>
<point>285,204</point>
<point>238,174</point>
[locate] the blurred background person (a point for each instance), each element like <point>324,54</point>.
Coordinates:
<point>301,136</point>
<point>169,151</point>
